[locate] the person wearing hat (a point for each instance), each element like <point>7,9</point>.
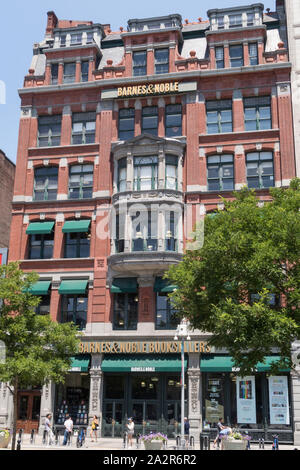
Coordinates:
<point>130,431</point>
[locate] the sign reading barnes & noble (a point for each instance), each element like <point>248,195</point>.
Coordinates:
<point>144,347</point>
<point>148,89</point>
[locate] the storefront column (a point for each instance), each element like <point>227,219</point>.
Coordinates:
<point>96,393</point>
<point>47,404</point>
<point>295,396</point>
<point>194,398</point>
<point>6,406</point>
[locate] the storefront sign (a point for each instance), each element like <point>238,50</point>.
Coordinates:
<point>142,347</point>
<point>148,89</point>
<point>246,401</point>
<point>279,400</point>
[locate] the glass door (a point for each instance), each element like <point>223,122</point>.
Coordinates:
<point>145,404</point>
<point>113,419</point>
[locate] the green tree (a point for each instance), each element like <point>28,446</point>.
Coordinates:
<point>249,258</point>
<point>37,349</point>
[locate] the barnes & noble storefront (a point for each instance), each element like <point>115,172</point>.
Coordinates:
<point>142,380</point>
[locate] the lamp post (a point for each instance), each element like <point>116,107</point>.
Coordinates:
<point>182,332</point>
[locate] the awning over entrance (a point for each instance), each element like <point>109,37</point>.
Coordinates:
<point>36,228</point>
<point>40,288</point>
<point>222,363</point>
<point>73,287</point>
<point>80,363</point>
<point>123,285</point>
<point>163,285</point>
<point>75,226</point>
<point>142,363</point>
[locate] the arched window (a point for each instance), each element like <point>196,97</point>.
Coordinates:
<point>220,172</point>
<point>260,170</point>
<point>81,179</point>
<point>45,183</point>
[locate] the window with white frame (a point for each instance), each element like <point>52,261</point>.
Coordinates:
<point>83,128</point>
<point>145,173</point>
<point>260,170</point>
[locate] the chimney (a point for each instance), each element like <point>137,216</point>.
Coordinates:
<point>51,23</point>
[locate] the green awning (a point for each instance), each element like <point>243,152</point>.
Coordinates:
<point>142,363</point>
<point>80,363</point>
<point>75,226</point>
<point>123,285</point>
<point>39,228</point>
<point>164,285</point>
<point>40,288</point>
<point>72,287</point>
<point>219,363</point>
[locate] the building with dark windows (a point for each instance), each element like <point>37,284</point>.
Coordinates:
<point>127,139</point>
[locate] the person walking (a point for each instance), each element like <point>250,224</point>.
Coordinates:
<point>94,428</point>
<point>68,424</point>
<point>48,429</point>
<point>186,431</point>
<point>130,432</point>
<point>220,426</point>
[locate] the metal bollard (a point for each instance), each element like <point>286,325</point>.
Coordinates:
<point>32,437</point>
<point>261,443</point>
<point>44,437</point>
<point>125,442</point>
<point>56,437</point>
<point>178,441</point>
<point>204,441</point>
<point>138,441</point>
<point>192,442</point>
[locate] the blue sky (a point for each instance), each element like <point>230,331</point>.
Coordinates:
<point>23,23</point>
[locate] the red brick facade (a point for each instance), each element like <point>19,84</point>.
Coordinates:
<point>7,175</point>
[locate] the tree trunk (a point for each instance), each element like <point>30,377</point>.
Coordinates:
<point>15,414</point>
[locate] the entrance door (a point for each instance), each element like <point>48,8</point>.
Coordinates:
<point>113,417</point>
<point>145,403</point>
<point>29,405</point>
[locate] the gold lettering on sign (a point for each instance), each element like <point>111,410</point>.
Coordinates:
<point>149,89</point>
<point>151,347</point>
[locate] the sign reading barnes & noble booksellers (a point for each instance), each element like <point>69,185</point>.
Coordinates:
<point>142,347</point>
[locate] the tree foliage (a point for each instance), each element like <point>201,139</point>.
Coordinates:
<point>37,349</point>
<point>248,248</point>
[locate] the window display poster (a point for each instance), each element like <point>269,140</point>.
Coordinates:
<point>279,400</point>
<point>246,401</point>
<point>214,409</point>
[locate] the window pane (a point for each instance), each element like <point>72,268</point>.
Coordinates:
<point>213,171</point>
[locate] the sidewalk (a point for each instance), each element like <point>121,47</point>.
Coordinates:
<point>107,443</point>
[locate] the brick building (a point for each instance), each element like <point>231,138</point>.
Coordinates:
<point>7,176</point>
<point>291,27</point>
<point>126,140</point>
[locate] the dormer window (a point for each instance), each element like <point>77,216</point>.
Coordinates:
<point>220,22</point>
<point>235,21</point>
<point>89,37</point>
<point>250,19</point>
<point>76,39</point>
<point>63,39</point>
